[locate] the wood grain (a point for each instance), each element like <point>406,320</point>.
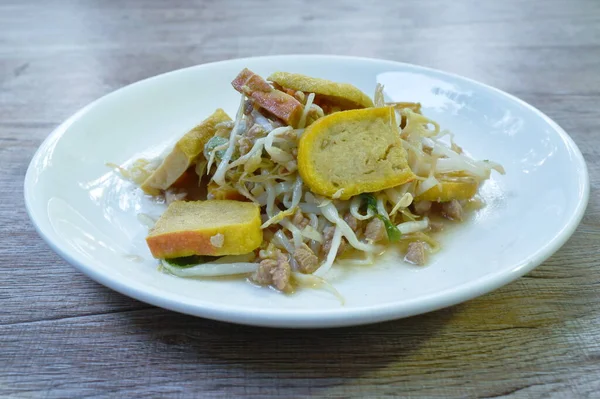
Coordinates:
<point>62,335</point>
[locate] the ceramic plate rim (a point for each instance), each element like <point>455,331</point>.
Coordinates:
<point>304,318</point>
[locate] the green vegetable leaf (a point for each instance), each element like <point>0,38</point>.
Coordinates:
<point>213,143</point>
<point>392,231</point>
<point>189,261</point>
<point>371,201</point>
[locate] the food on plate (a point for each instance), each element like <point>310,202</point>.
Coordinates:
<point>344,95</point>
<point>278,103</point>
<point>309,173</point>
<point>449,188</point>
<point>337,156</point>
<point>185,153</point>
<point>215,191</point>
<point>213,228</point>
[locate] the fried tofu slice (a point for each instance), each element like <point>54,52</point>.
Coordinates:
<point>353,152</point>
<point>185,153</point>
<point>214,228</point>
<point>344,95</point>
<point>447,190</point>
<point>278,103</point>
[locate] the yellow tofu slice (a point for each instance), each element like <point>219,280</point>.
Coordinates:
<point>459,189</point>
<point>343,94</point>
<point>185,153</point>
<point>353,152</point>
<point>214,228</point>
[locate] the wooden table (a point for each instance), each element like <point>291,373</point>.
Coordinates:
<point>63,335</point>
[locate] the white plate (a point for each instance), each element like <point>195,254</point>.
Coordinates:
<point>88,215</point>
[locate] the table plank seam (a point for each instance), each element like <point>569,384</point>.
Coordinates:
<point>39,321</point>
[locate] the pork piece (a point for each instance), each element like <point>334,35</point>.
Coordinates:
<point>247,141</point>
<point>375,230</point>
<point>417,253</point>
<point>452,210</point>
<point>422,207</point>
<point>278,103</point>
<point>245,145</point>
<point>300,220</point>
<point>351,221</point>
<point>306,259</point>
<point>328,237</point>
<point>274,272</point>
<point>255,132</point>
<point>262,275</point>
